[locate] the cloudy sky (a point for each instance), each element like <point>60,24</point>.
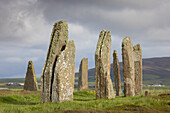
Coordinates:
<point>26,25</point>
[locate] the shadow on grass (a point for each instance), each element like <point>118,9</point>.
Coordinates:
<point>121,109</point>
<point>139,108</point>
<point>10,100</point>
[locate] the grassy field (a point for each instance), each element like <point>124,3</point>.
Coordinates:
<point>19,101</point>
<point>20,80</point>
<point>15,100</point>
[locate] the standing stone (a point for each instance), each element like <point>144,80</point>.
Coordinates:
<point>137,56</point>
<point>30,79</point>
<point>64,72</point>
<point>58,42</point>
<point>104,87</point>
<point>128,67</point>
<point>116,71</point>
<point>146,93</point>
<point>83,75</point>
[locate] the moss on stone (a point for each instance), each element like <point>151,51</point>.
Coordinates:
<point>137,47</point>
<point>125,41</point>
<point>58,40</point>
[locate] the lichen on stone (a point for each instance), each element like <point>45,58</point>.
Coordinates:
<point>83,75</point>
<point>104,87</point>
<point>56,62</point>
<point>132,67</point>
<point>30,79</point>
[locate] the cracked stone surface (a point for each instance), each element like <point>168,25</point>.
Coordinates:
<point>104,86</point>
<point>128,67</point>
<point>132,68</point>
<point>30,79</point>
<point>58,41</point>
<point>83,75</point>
<point>64,74</point>
<point>137,54</point>
<point>116,71</point>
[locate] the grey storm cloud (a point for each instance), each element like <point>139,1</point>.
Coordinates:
<point>26,28</point>
<point>142,20</point>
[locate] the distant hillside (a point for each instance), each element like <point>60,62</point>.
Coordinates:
<point>155,70</point>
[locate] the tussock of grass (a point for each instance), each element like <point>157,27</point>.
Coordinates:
<point>28,102</point>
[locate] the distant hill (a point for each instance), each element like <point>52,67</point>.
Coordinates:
<point>155,70</point>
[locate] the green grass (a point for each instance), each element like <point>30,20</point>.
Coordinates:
<point>147,79</point>
<point>150,77</point>
<point>156,88</point>
<point>12,87</point>
<point>21,80</point>
<point>18,101</point>
<point>12,80</point>
<point>153,79</point>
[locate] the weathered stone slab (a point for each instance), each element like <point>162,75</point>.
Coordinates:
<point>30,79</point>
<point>116,70</point>
<point>64,72</point>
<point>146,93</point>
<point>83,75</point>
<point>128,67</point>
<point>58,41</point>
<point>104,86</point>
<point>137,56</point>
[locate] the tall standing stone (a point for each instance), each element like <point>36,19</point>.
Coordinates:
<point>128,67</point>
<point>116,70</point>
<point>30,79</point>
<point>58,42</point>
<point>64,72</point>
<point>104,86</point>
<point>83,75</point>
<point>137,54</point>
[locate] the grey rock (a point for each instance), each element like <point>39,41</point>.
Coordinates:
<point>128,67</point>
<point>137,56</point>
<point>30,79</point>
<point>116,70</point>
<point>132,68</point>
<point>58,42</point>
<point>104,86</point>
<point>83,75</point>
<point>63,84</point>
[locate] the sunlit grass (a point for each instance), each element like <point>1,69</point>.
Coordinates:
<point>25,101</point>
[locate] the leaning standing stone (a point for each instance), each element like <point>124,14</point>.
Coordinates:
<point>104,87</point>
<point>83,75</point>
<point>116,70</point>
<point>64,72</point>
<point>30,79</point>
<point>58,42</point>
<point>128,67</point>
<point>137,55</point>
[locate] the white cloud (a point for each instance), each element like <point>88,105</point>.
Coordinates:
<point>26,28</point>
<point>85,42</point>
<point>159,34</point>
<point>13,60</point>
<point>84,39</point>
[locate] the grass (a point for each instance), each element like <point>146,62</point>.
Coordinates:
<point>150,77</point>
<point>18,101</point>
<point>11,87</point>
<point>12,80</point>
<point>154,79</point>
<point>20,80</point>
